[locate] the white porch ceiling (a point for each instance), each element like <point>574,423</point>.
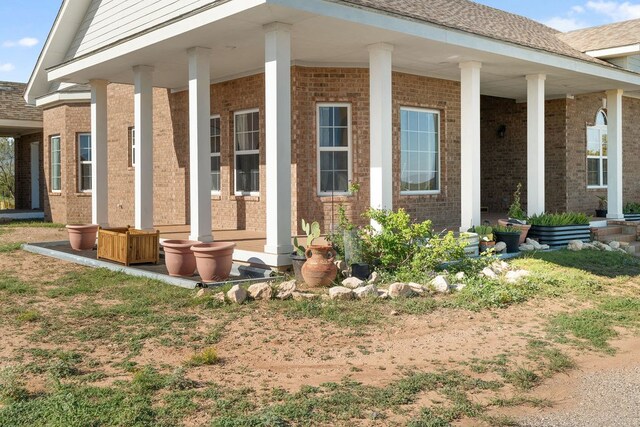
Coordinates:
<point>237,45</point>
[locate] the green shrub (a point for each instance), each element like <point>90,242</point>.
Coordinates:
<point>632,208</point>
<point>208,356</point>
<point>515,210</point>
<point>559,219</point>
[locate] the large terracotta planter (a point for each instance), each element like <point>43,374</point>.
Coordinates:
<point>320,269</point>
<point>82,237</point>
<point>214,260</point>
<point>179,258</point>
<point>524,228</point>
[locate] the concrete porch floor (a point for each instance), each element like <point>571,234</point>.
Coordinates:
<point>20,214</point>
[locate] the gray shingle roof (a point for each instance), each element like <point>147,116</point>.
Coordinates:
<point>605,36</point>
<point>479,19</point>
<point>12,104</point>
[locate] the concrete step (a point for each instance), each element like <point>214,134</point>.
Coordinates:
<point>630,230</point>
<point>617,238</point>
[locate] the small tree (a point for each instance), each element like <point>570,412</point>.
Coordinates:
<point>7,169</point>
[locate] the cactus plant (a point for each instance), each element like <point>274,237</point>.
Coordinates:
<point>312,230</point>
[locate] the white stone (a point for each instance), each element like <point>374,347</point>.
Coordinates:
<point>588,246</point>
<point>302,296</point>
<point>369,291</point>
<point>352,282</point>
<point>440,284</point>
<point>399,290</point>
<point>487,272</point>
<point>533,243</point>
<point>544,247</point>
<point>614,245</point>
<point>526,248</point>
<point>623,251</point>
<point>499,267</point>
<point>458,286</point>
<point>515,276</point>
<point>374,278</point>
<point>340,293</point>
<point>286,289</point>
<point>500,247</point>
<point>382,294</point>
<point>417,288</point>
<point>460,275</point>
<point>260,291</point>
<point>237,294</point>
<point>575,245</point>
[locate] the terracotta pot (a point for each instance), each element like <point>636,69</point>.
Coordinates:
<point>320,269</point>
<point>179,258</point>
<point>82,237</point>
<point>485,246</point>
<point>524,228</point>
<point>214,260</point>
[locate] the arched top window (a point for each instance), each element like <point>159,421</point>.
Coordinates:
<point>597,152</point>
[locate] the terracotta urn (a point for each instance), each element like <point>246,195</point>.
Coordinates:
<point>82,237</point>
<point>214,260</point>
<point>179,258</point>
<point>320,268</point>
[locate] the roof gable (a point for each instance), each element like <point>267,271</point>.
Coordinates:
<point>604,37</point>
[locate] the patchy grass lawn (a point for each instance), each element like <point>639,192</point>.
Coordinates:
<point>92,347</point>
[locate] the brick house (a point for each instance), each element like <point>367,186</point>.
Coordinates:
<point>252,115</point>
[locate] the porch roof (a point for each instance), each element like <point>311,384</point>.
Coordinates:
<point>17,118</point>
<point>430,38</point>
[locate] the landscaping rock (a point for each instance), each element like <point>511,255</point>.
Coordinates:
<point>515,276</point>
<point>499,267</point>
<point>575,245</point>
<point>544,247</point>
<point>614,245</point>
<point>500,247</point>
<point>460,275</point>
<point>382,294</point>
<point>369,291</point>
<point>340,293</point>
<point>260,291</point>
<point>526,248</point>
<point>286,289</point>
<point>440,284</point>
<point>588,246</point>
<point>487,272</point>
<point>302,296</point>
<point>374,278</point>
<point>602,246</point>
<point>398,289</point>
<point>458,287</point>
<point>237,294</point>
<point>417,288</point>
<point>218,296</point>
<point>537,246</point>
<point>352,283</point>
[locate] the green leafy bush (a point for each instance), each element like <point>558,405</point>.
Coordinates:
<point>559,219</point>
<point>632,208</point>
<point>515,210</point>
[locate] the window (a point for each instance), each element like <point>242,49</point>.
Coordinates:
<point>132,147</point>
<point>597,152</point>
<point>84,162</point>
<point>334,148</point>
<point>419,151</point>
<point>55,164</point>
<point>247,146</point>
<point>215,154</point>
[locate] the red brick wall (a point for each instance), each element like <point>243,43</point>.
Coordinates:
<point>23,170</point>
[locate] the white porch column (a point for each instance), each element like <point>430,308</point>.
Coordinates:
<point>278,135</point>
<point>470,144</point>
<point>535,144</point>
<point>199,143</point>
<point>143,122</point>
<point>380,123</point>
<point>614,137</point>
<point>99,154</point>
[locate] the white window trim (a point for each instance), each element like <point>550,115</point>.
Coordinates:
<point>132,138</point>
<point>422,192</point>
<point>59,138</point>
<point>600,157</point>
<point>80,162</point>
<point>321,149</point>
<point>218,192</point>
<point>244,152</point>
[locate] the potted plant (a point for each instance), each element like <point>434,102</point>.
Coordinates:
<point>319,269</point>
<point>558,229</point>
<point>353,254</point>
<point>510,235</point>
<point>601,212</point>
<point>214,260</point>
<point>632,211</point>
<point>179,258</point>
<point>485,235</point>
<point>298,257</point>
<point>82,237</point>
<point>517,216</point>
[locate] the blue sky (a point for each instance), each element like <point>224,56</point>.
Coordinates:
<point>26,24</point>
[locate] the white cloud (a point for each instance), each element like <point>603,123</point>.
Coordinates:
<point>23,42</point>
<point>564,24</point>
<point>616,11</point>
<point>5,68</point>
<point>577,9</point>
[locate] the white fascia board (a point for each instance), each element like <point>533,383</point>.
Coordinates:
<point>614,52</point>
<point>437,33</point>
<point>21,123</point>
<point>152,37</point>
<point>54,49</point>
<point>60,98</point>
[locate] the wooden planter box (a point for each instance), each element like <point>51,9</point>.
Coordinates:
<point>560,236</point>
<point>128,246</point>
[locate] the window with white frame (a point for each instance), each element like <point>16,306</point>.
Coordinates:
<point>84,161</point>
<point>247,151</point>
<point>215,154</point>
<point>419,151</point>
<point>334,148</point>
<point>56,169</point>
<point>597,152</point>
<point>132,147</point>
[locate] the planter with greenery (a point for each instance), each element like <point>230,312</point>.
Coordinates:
<point>601,212</point>
<point>510,236</point>
<point>517,216</point>
<point>298,257</point>
<point>557,230</point>
<point>632,211</point>
<point>485,237</point>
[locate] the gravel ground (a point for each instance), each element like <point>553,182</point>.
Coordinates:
<point>602,399</point>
